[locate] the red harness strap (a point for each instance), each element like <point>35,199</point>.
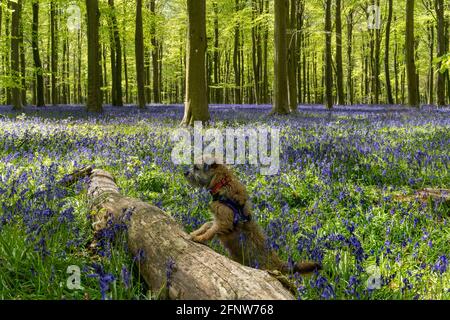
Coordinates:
<point>223,182</point>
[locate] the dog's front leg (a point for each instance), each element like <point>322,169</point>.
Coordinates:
<point>208,235</point>
<point>201,230</point>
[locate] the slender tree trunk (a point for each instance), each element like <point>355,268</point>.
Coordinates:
<point>16,6</point>
<point>396,69</point>
<point>94,99</point>
<point>64,78</point>
<point>265,57</point>
<point>376,62</point>
<point>116,58</point>
<point>339,68</point>
<point>196,103</point>
<point>281,97</point>
<point>1,53</point>
<point>104,74</point>
<point>23,91</point>
<point>81,98</point>
<point>125,64</point>
<point>431,68</point>
<point>139,51</point>
<point>328,58</point>
<point>155,55</point>
<point>350,95</point>
<point>440,89</point>
<point>293,57</point>
<point>236,60</point>
<point>390,100</point>
<point>217,91</point>
<point>7,56</point>
<point>413,90</point>
<point>54,51</point>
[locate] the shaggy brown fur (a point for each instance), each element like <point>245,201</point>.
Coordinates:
<point>245,242</point>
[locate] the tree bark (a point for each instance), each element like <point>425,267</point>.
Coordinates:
<point>390,99</point>
<point>16,6</point>
<point>116,58</point>
<point>328,58</point>
<point>94,100</point>
<point>217,91</point>
<point>54,51</point>
<point>350,95</point>
<point>293,57</point>
<point>413,90</point>
<point>281,97</point>
<point>139,52</point>
<point>155,55</point>
<point>236,60</point>
<point>440,89</point>
<point>197,272</point>
<point>339,68</point>
<point>196,102</point>
<point>23,87</point>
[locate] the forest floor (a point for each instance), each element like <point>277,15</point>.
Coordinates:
<point>335,200</point>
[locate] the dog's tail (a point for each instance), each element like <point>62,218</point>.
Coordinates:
<point>302,267</point>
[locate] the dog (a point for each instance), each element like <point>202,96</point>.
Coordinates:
<point>233,221</point>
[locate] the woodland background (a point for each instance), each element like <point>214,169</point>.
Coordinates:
<point>142,47</point>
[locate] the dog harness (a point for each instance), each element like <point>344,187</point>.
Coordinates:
<point>238,210</point>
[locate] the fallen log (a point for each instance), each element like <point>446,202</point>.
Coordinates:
<point>424,195</point>
<point>196,271</point>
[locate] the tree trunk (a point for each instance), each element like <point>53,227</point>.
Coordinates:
<point>16,6</point>
<point>281,100</point>
<point>116,58</point>
<point>293,57</point>
<point>217,91</point>
<point>236,60</point>
<point>440,85</point>
<point>390,100</point>
<point>328,58</point>
<point>155,55</point>
<point>23,91</point>
<point>430,30</point>
<point>196,102</point>
<point>396,68</point>
<point>54,51</point>
<point>139,51</point>
<point>1,54</point>
<point>413,90</point>
<point>94,100</point>
<point>376,62</point>
<point>196,271</point>
<point>339,69</point>
<point>350,95</point>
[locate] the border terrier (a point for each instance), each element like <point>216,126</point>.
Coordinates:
<point>233,222</point>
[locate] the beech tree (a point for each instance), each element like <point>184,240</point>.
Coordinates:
<point>281,102</point>
<point>16,6</point>
<point>413,90</point>
<point>139,52</point>
<point>196,102</point>
<point>94,99</point>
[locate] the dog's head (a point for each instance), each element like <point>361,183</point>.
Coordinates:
<point>201,175</point>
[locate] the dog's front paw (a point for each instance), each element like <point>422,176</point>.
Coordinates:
<point>198,239</point>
